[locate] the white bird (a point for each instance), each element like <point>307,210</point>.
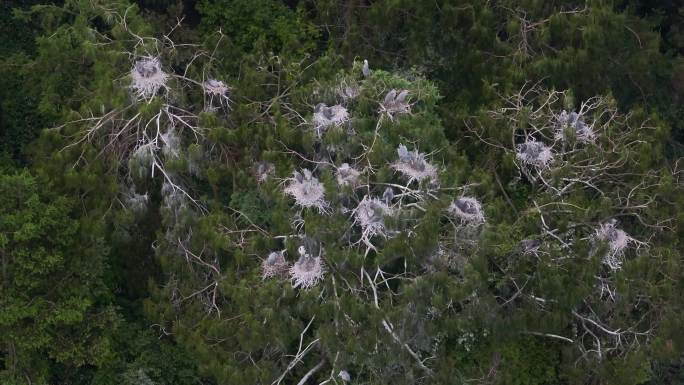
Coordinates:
<point>319,107</point>
<point>388,195</point>
<point>402,96</point>
<point>403,153</point>
<point>466,206</point>
<point>391,96</point>
<point>328,112</point>
<point>365,70</point>
<point>272,258</point>
<point>145,69</point>
<point>530,245</point>
<point>298,177</point>
<point>344,375</point>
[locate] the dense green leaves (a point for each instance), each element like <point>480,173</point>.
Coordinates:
<point>133,247</point>
<point>52,290</point>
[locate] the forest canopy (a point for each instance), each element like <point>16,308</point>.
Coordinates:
<point>341,192</point>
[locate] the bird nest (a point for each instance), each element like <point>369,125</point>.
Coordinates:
<point>534,154</point>
<point>215,87</point>
<point>307,272</point>
<point>325,117</point>
<point>273,266</point>
<point>347,176</point>
<point>413,165</point>
<point>147,78</point>
<point>617,240</point>
<point>468,210</point>
<point>370,216</point>
<point>573,123</point>
<point>307,191</point>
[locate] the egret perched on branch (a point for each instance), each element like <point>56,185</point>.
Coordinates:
<point>365,70</point>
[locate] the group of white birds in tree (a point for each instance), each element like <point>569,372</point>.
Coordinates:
<point>148,79</point>
<point>567,126</point>
<point>305,273</point>
<point>308,192</point>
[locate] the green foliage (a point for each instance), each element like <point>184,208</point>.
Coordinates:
<point>145,358</point>
<point>52,288</point>
<point>251,26</point>
<point>529,361</point>
<point>128,267</point>
<point>19,121</point>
